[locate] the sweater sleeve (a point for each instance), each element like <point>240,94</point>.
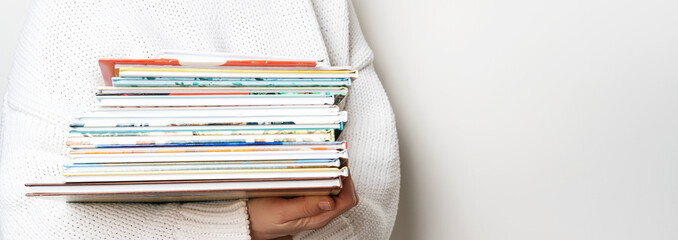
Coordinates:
<point>374,164</point>
<point>371,135</point>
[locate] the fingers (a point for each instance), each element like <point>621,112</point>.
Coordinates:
<point>346,200</point>
<point>303,207</point>
<point>348,197</point>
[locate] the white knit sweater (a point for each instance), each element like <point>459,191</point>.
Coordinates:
<point>55,75</point>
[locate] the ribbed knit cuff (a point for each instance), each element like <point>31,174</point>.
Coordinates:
<point>339,228</point>
<point>213,220</point>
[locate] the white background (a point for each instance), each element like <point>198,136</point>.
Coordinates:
<point>532,119</point>
<point>523,119</point>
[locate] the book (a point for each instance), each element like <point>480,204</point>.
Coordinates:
<point>212,100</point>
<point>132,72</point>
<point>207,165</point>
<point>75,153</point>
<point>185,58</point>
<point>188,190</point>
<point>118,129</point>
<point>211,156</point>
<point>205,174</point>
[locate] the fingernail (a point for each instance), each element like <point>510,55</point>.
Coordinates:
<point>325,205</point>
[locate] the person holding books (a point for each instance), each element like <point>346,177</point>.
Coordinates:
<point>55,73</point>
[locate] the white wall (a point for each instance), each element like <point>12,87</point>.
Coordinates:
<point>532,119</point>
<point>12,16</point>
<point>522,119</point>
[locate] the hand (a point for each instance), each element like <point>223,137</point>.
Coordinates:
<point>278,217</point>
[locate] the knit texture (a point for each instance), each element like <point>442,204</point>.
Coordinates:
<point>55,75</point>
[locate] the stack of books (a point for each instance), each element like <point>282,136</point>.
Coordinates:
<point>207,126</point>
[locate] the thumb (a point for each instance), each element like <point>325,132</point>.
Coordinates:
<point>303,207</point>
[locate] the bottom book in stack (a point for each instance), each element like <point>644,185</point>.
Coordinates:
<point>163,174</point>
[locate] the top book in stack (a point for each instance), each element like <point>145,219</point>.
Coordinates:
<point>197,69</point>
